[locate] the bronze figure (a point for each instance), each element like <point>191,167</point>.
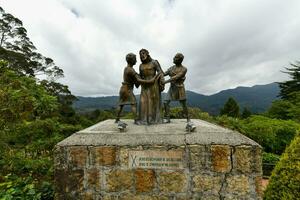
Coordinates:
<point>130,79</point>
<point>176,91</point>
<point>150,98</point>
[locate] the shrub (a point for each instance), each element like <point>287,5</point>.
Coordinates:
<point>285,180</point>
<point>230,122</point>
<point>270,158</point>
<point>273,134</point>
<point>269,162</point>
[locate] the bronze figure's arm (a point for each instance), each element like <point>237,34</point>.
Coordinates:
<point>143,81</point>
<point>166,73</point>
<point>180,75</point>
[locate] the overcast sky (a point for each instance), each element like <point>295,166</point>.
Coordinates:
<point>226,43</point>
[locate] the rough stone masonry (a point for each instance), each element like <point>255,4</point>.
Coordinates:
<point>157,162</point>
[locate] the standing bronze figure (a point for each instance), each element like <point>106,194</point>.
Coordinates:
<point>177,91</point>
<point>130,78</point>
<point>150,99</point>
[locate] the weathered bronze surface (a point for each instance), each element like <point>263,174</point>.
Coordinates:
<point>151,79</point>
<point>150,98</point>
<point>130,79</point>
<point>176,91</point>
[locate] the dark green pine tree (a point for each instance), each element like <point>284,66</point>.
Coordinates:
<point>293,85</point>
<point>246,113</point>
<point>231,108</point>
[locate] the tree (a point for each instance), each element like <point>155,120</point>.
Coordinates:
<point>279,109</point>
<point>30,126</point>
<point>293,85</point>
<point>22,99</point>
<point>19,51</point>
<point>22,57</point>
<point>286,109</point>
<point>246,113</point>
<point>64,96</point>
<point>231,108</point>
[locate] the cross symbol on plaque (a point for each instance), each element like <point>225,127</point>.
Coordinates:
<point>133,158</point>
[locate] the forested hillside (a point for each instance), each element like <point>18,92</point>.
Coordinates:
<point>257,99</point>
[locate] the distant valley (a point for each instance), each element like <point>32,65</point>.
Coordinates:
<point>257,98</point>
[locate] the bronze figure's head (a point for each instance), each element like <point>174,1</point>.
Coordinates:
<point>144,56</point>
<point>131,58</point>
<point>178,58</point>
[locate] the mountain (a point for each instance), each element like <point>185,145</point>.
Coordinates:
<point>257,98</point>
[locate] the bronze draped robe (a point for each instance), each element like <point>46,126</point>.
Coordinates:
<point>150,98</point>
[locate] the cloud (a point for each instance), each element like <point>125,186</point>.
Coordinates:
<point>226,43</point>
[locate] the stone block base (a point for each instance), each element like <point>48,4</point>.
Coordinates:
<point>147,164</point>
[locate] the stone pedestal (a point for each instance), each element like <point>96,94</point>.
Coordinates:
<point>157,162</point>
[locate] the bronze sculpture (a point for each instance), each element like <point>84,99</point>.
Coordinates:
<point>176,91</point>
<point>150,98</point>
<point>151,79</point>
<point>130,79</point>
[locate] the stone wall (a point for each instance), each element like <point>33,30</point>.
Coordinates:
<point>208,171</point>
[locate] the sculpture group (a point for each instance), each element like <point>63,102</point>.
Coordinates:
<point>152,82</point>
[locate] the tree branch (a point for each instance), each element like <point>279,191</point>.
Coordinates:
<point>2,39</point>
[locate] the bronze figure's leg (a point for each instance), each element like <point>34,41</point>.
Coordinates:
<point>185,109</point>
<point>134,112</point>
<point>119,111</point>
<point>167,111</point>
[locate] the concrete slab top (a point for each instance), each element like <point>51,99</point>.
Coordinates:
<point>174,133</point>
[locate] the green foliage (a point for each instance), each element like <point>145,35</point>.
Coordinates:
<point>292,85</point>
<point>65,99</point>
<point>279,109</point>
<point>27,188</point>
<point>273,134</point>
<point>23,59</point>
<point>285,180</point>
<point>286,109</point>
<point>270,158</point>
<point>34,115</point>
<point>30,126</point>
<point>289,106</point>
<point>246,113</point>
<point>269,162</point>
<point>194,113</point>
<point>294,110</point>
<point>28,155</point>
<point>100,115</point>
<point>16,47</point>
<point>21,98</point>
<point>229,122</point>
<point>231,108</point>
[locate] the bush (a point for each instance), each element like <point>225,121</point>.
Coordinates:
<point>270,158</point>
<point>269,162</point>
<point>27,188</point>
<point>285,180</point>
<point>230,122</point>
<point>273,134</point>
<point>194,113</point>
